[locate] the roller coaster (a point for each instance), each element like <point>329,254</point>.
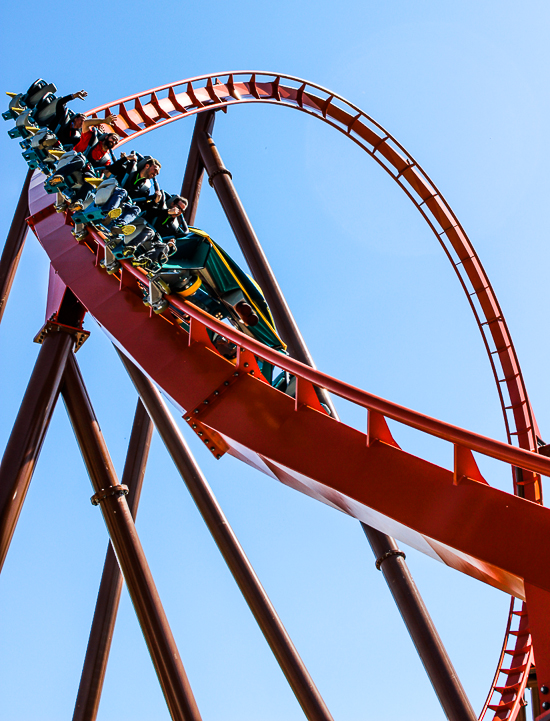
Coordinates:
<point>290,432</point>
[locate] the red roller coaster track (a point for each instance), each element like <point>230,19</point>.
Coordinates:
<point>230,406</point>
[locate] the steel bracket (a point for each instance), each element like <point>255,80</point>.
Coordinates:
<point>117,491</point>
<point>51,326</point>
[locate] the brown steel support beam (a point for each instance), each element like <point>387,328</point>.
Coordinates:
<point>29,431</point>
<point>438,665</point>
<point>131,558</point>
<point>407,597</point>
<point>222,183</point>
<point>110,589</point>
<point>265,614</point>
<point>194,170</point>
<point>14,244</point>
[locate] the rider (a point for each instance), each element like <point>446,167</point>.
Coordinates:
<point>137,176</point>
<point>69,127</point>
<point>93,150</point>
<point>158,240</point>
<point>66,124</point>
<point>167,218</point>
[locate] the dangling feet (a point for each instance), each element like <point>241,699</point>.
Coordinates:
<point>76,206</point>
<point>114,213</point>
<point>115,229</point>
<point>247,313</point>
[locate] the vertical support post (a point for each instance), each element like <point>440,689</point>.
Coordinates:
<point>122,531</point>
<point>110,589</point>
<point>194,170</point>
<point>14,244</point>
<point>438,665</point>
<point>446,683</point>
<point>29,431</point>
<point>265,614</point>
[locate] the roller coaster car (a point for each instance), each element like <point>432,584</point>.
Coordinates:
<point>44,112</point>
<point>199,270</point>
<point>74,180</point>
<point>204,274</point>
<point>15,107</point>
<point>42,150</point>
<point>25,126</point>
<point>38,105</point>
<point>93,212</point>
<point>37,91</point>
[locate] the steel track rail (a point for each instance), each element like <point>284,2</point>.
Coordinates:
<point>159,106</point>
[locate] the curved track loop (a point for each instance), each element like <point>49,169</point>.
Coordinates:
<point>142,112</point>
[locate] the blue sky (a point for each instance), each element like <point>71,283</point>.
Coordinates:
<point>463,86</point>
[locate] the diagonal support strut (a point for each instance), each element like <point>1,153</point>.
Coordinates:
<point>110,589</point>
<point>266,616</point>
<point>131,558</point>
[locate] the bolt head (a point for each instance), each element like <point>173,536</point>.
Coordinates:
<point>545,705</point>
<point>246,365</point>
<point>236,373</point>
<point>544,690</point>
<point>196,410</point>
<point>226,383</point>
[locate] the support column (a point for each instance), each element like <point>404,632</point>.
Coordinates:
<point>194,170</point>
<point>14,244</point>
<point>103,624</point>
<point>110,496</point>
<point>438,665</point>
<point>29,431</point>
<point>425,637</point>
<point>221,181</point>
<point>265,614</point>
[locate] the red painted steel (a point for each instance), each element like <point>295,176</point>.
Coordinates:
<point>425,499</point>
<point>442,675</point>
<point>171,102</point>
<point>259,603</point>
<point>197,95</point>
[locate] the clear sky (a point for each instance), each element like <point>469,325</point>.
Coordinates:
<point>463,86</point>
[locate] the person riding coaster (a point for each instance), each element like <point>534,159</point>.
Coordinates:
<point>176,260</point>
<point>89,159</point>
<point>129,187</point>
